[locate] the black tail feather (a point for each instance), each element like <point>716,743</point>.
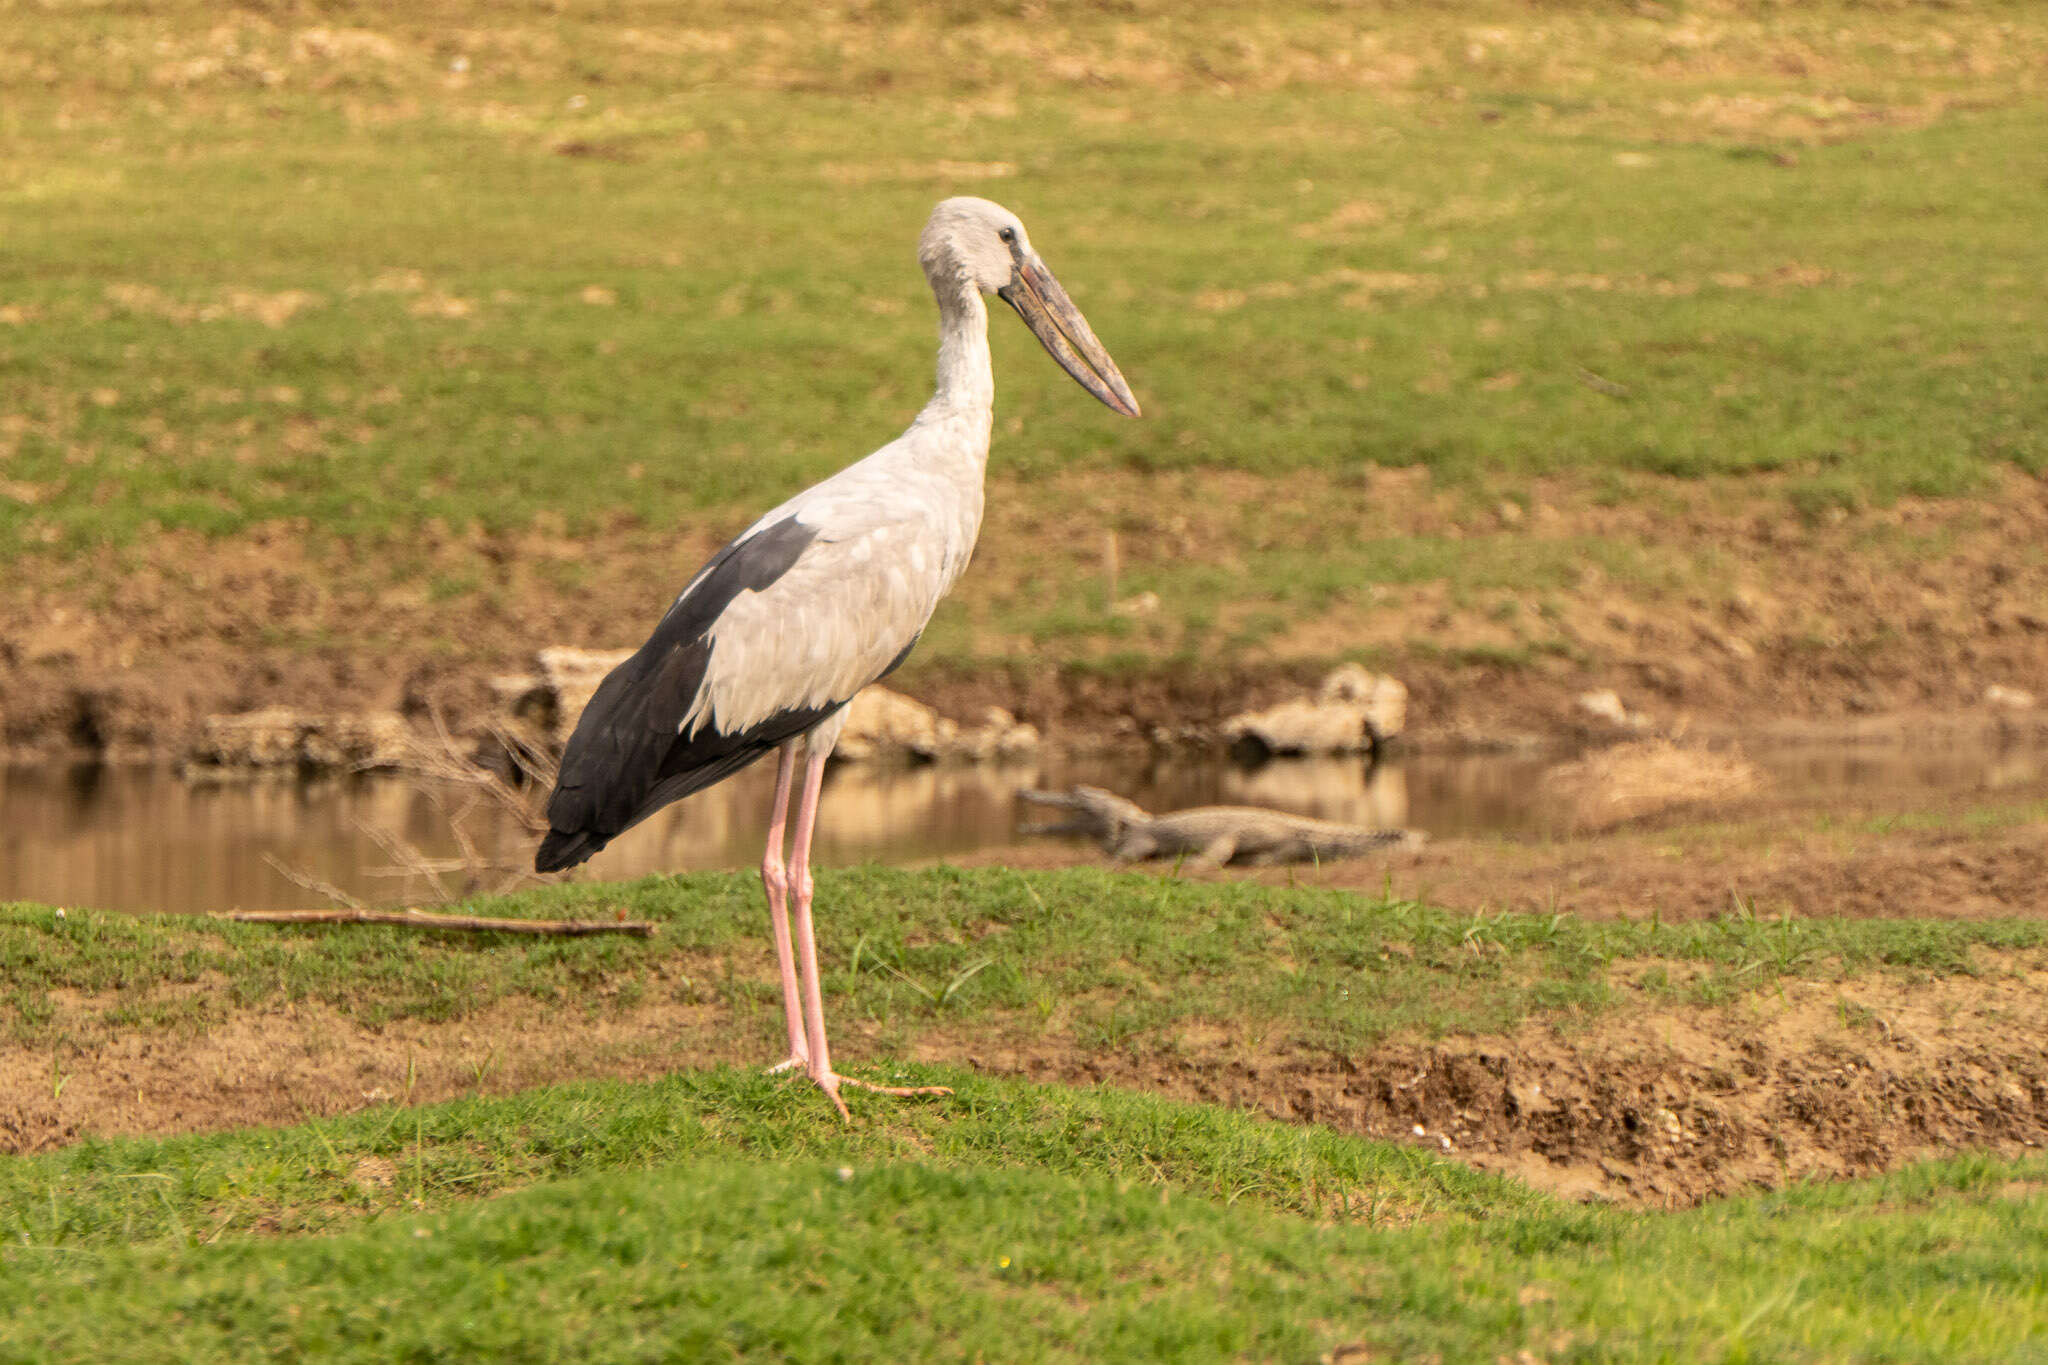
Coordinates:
<point>564,848</point>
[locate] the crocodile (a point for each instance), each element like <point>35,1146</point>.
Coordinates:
<point>1213,835</point>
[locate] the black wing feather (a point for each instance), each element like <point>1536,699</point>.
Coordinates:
<point>627,757</point>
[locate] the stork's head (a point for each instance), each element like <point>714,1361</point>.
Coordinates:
<point>982,244</point>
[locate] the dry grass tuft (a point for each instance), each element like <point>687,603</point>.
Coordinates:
<point>1652,777</point>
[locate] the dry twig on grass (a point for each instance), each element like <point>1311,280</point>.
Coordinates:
<point>419,919</point>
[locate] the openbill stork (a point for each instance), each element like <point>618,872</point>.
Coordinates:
<point>823,595</point>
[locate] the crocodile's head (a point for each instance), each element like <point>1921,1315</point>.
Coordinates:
<point>1091,811</point>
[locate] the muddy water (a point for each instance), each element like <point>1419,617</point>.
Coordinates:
<point>141,838</point>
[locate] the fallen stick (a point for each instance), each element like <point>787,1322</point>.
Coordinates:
<point>419,919</point>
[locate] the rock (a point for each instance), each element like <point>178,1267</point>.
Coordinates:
<point>1359,685</point>
<point>2012,698</point>
<point>283,737</point>
<point>1649,777</point>
<point>1354,710</point>
<point>1603,703</point>
<point>1000,735</point>
<point>881,724</point>
<point>1302,727</point>
<point>512,691</point>
<point>570,675</point>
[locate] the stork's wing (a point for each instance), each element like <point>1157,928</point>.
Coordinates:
<point>773,636</point>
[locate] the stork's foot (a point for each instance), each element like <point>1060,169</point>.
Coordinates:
<point>830,1082</point>
<point>795,1061</point>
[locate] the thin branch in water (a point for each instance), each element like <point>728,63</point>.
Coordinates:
<point>418,870</point>
<point>307,882</point>
<point>405,855</point>
<point>472,862</point>
<point>540,770</point>
<point>433,766</point>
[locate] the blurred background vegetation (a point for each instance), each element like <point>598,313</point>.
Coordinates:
<point>455,324</point>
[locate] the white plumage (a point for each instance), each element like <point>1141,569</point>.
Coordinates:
<point>893,533</point>
<point>820,597</point>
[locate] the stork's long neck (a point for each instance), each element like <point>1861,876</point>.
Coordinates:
<point>967,380</point>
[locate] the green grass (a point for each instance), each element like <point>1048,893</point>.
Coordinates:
<point>1112,959</point>
<point>616,278</point>
<point>371,422</point>
<point>706,1216</point>
<point>323,1176</point>
<point>722,1213</point>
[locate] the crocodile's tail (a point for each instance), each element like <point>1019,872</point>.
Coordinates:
<point>1400,840</point>
<point>1390,840</point>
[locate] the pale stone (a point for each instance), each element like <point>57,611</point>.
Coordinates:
<point>282,737</point>
<point>1603,703</point>
<point>572,675</point>
<point>1354,710</point>
<point>511,690</point>
<point>880,722</point>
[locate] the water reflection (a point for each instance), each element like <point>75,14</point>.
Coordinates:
<point>142,838</point>
<point>1958,768</point>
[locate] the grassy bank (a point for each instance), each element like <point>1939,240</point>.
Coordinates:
<point>1111,960</point>
<point>719,1211</point>
<point>706,1216</point>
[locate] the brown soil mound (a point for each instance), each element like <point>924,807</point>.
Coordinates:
<point>1662,1105</point>
<point>1672,1106</point>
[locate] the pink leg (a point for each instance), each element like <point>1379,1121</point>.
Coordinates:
<point>775,881</point>
<point>807,951</point>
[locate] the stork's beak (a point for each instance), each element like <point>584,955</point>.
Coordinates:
<point>1064,333</point>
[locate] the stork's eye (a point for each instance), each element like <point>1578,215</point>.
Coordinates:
<point>1008,234</point>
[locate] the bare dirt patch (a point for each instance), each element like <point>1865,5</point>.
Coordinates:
<point>1669,1106</point>
<point>1661,1104</point>
<point>293,1062</point>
